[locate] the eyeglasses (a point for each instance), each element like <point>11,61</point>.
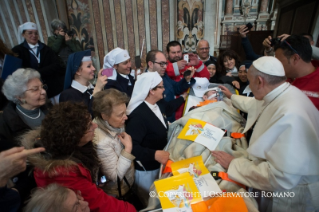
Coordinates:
<point>203,49</point>
<point>162,64</point>
<point>288,44</point>
<point>37,89</point>
<point>30,33</point>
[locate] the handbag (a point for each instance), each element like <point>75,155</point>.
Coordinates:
<point>130,195</point>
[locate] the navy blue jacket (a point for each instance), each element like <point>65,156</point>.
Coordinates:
<point>250,54</point>
<point>121,84</point>
<point>173,88</point>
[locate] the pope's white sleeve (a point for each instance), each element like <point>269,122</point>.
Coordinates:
<point>261,175</point>
<point>242,103</point>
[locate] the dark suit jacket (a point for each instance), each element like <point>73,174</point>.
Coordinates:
<point>121,84</point>
<point>52,73</point>
<point>74,95</point>
<point>148,135</point>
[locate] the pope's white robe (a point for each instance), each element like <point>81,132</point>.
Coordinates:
<point>284,148</point>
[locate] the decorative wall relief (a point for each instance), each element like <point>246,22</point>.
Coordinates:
<point>190,26</point>
<point>79,19</point>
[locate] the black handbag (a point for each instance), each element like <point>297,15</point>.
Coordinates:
<point>130,195</point>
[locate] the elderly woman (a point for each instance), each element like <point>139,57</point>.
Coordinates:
<point>37,55</point>
<point>79,73</point>
<point>119,60</point>
<point>62,43</point>
<point>25,111</point>
<point>55,198</point>
<point>70,158</point>
<point>148,128</point>
<point>114,146</point>
<point>27,106</point>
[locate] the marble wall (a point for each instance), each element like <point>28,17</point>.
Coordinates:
<point>102,25</point>
<point>15,12</point>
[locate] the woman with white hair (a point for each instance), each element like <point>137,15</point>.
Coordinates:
<point>119,60</point>
<point>25,111</point>
<point>35,54</point>
<point>62,41</point>
<point>148,128</point>
<point>56,198</point>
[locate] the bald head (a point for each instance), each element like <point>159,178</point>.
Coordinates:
<point>202,49</point>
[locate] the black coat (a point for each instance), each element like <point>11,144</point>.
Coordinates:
<point>50,67</point>
<point>121,84</point>
<point>75,95</point>
<point>11,128</point>
<point>148,135</point>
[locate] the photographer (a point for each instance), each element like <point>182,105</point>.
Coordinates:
<point>62,42</point>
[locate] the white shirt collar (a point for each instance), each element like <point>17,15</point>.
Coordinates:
<point>152,107</point>
<point>33,46</point>
<point>125,76</point>
<point>76,85</point>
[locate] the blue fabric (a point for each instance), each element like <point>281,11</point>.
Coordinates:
<point>74,62</point>
<point>9,200</point>
<point>173,88</point>
<point>250,54</point>
<point>33,60</point>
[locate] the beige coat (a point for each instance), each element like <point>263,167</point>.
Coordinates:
<point>114,160</point>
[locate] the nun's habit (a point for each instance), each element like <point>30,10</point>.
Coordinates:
<point>149,133</point>
<point>121,82</point>
<point>73,90</point>
<point>43,59</point>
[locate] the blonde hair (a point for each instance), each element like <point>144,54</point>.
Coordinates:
<point>49,199</point>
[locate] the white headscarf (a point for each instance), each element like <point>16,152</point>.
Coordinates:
<point>142,87</point>
<point>25,26</point>
<point>114,57</point>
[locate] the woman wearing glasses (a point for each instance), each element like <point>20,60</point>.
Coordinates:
<point>35,54</point>
<point>148,127</point>
<point>70,158</point>
<point>25,111</point>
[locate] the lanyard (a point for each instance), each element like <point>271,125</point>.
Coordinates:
<point>37,56</point>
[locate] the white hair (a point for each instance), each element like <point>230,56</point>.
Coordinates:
<point>16,84</point>
<point>49,199</point>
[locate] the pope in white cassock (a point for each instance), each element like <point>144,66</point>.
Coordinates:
<point>283,154</point>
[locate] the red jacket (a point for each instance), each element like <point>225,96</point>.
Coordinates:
<point>175,74</point>
<point>309,85</point>
<point>79,178</point>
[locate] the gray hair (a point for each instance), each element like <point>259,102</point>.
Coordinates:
<point>270,79</point>
<point>56,23</point>
<point>49,199</point>
<point>16,84</point>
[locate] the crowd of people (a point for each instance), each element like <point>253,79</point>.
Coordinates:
<point>67,144</point>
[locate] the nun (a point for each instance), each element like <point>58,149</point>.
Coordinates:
<point>79,73</point>
<point>148,128</point>
<point>119,60</point>
<point>35,54</point>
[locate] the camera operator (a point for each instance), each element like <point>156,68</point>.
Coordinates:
<point>62,41</point>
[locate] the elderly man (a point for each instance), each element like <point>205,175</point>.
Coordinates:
<point>283,153</point>
<point>295,54</point>
<point>176,66</point>
<point>202,50</point>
